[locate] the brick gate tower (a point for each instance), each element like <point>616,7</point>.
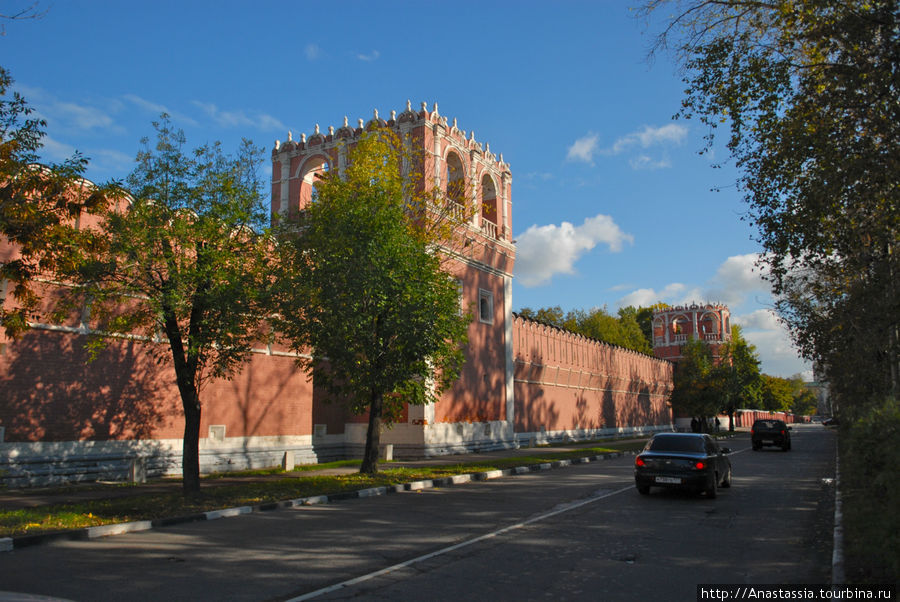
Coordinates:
<point>477,412</point>
<point>675,326</point>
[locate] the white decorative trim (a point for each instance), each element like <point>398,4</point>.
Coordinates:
<point>510,351</point>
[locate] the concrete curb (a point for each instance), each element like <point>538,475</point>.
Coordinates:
<point>9,544</point>
<point>838,576</point>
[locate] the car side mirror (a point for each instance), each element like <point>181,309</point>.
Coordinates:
<point>725,450</point>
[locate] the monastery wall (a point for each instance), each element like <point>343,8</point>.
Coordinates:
<point>567,385</point>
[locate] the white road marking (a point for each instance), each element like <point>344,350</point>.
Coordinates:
<point>559,510</point>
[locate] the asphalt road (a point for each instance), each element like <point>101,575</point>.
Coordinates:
<point>576,533</point>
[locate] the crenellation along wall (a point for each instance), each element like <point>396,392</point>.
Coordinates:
<point>570,386</point>
<point>62,418</point>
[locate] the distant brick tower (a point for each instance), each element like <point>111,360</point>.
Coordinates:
<point>675,326</point>
<point>479,408</point>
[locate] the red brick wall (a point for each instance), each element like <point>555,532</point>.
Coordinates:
<point>50,392</point>
<point>565,381</point>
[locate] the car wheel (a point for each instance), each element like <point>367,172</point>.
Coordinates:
<point>711,488</point>
<point>785,447</point>
<point>726,482</point>
<point>643,489</point>
<point>756,447</point>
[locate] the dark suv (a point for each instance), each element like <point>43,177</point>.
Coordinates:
<point>770,432</point>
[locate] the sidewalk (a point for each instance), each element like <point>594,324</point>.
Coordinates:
<point>32,498</point>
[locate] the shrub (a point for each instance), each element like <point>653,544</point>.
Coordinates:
<point>870,457</point>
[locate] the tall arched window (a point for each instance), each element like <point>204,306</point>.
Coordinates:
<point>455,180</point>
<point>709,326</point>
<point>311,169</point>
<point>681,327</point>
<point>489,205</point>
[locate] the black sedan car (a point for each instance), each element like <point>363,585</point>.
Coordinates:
<point>770,432</point>
<point>691,461</point>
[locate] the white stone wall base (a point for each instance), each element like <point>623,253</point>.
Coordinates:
<point>42,464</point>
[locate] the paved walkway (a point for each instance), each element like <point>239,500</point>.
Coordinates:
<point>31,498</point>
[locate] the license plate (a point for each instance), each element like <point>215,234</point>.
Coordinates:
<point>669,480</point>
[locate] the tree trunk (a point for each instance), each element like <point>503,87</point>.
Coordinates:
<point>373,435</point>
<point>185,378</point>
<point>190,454</point>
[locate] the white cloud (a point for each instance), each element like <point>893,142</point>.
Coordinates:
<point>542,176</point>
<point>777,354</point>
<point>583,149</point>
<point>673,293</point>
<point>671,134</point>
<point>648,137</point>
<point>157,109</point>
<point>145,104</point>
<point>373,56</point>
<point>737,283</point>
<point>760,319</point>
<point>83,117</point>
<point>56,151</point>
<point>644,162</point>
<point>544,251</point>
<point>111,160</point>
<point>237,119</point>
<point>312,52</point>
<point>71,117</point>
<point>737,279</point>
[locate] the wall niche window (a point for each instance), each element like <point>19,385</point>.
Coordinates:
<point>485,306</point>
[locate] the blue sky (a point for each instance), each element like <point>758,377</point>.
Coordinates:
<point>612,204</point>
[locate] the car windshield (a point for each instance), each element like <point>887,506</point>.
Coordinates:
<point>769,425</point>
<point>674,443</point>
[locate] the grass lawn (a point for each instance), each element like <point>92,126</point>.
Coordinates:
<point>118,508</point>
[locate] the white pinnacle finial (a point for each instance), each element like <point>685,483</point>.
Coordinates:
<point>331,130</point>
<point>424,106</point>
<point>277,144</point>
<point>375,115</point>
<point>303,137</point>
<point>487,147</point>
<point>393,115</point>
<point>360,122</point>
<point>435,108</point>
<point>317,129</point>
<point>408,105</point>
<point>454,122</point>
<point>345,121</point>
<point>290,135</point>
<point>472,135</point>
<point>501,157</point>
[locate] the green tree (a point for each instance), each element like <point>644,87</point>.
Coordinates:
<point>553,316</point>
<point>777,394</point>
<point>644,317</point>
<point>596,323</point>
<point>808,90</point>
<point>182,260</point>
<point>805,402</point>
<point>739,375</point>
<point>368,294</point>
<point>697,387</point>
<point>39,205</point>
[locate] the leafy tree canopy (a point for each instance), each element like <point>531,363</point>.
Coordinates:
<point>808,90</point>
<point>181,258</point>
<point>697,389</point>
<point>39,208</point>
<point>368,294</point>
<point>630,329</point>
